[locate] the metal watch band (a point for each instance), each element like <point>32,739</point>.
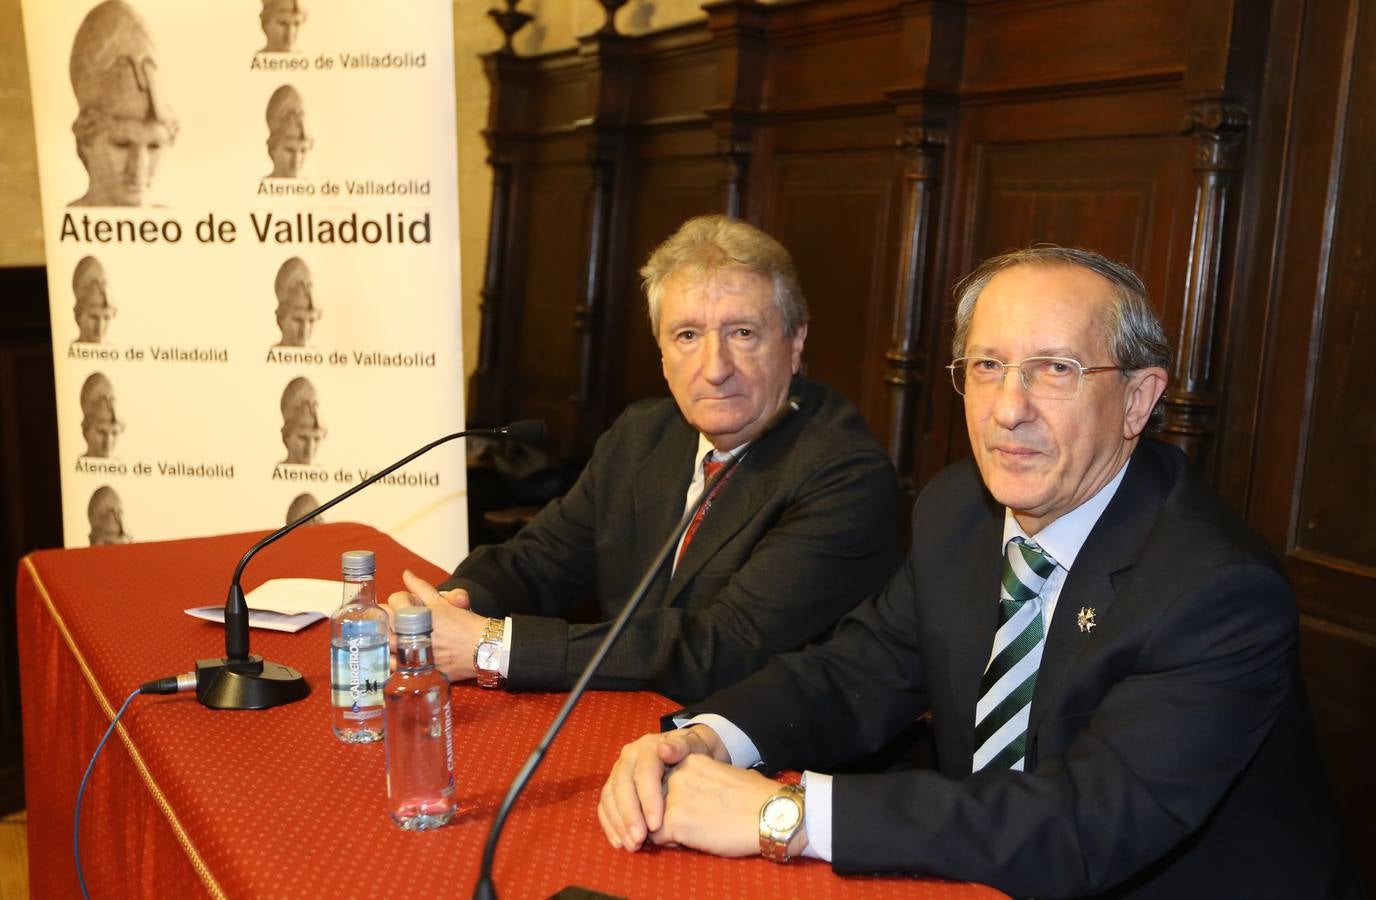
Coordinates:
<point>492,634</point>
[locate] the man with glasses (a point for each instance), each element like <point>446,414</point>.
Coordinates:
<point>1107,652</point>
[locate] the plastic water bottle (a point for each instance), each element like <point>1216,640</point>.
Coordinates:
<point>358,653</point>
<point>420,736</point>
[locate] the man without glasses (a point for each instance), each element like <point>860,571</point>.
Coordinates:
<point>797,532</point>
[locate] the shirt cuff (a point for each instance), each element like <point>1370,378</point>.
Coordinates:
<point>817,815</point>
<point>739,748</point>
<point>504,655</point>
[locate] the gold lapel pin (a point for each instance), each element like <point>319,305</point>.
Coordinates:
<point>1086,619</point>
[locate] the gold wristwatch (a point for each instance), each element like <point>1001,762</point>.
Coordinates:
<point>781,817</point>
<point>487,655</point>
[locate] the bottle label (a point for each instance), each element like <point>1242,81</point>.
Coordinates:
<point>359,672</point>
<point>449,743</point>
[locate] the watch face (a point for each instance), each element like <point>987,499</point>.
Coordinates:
<point>781,814</point>
<point>487,655</point>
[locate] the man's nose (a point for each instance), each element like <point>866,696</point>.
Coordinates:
<point>1012,404</point>
<point>718,365</point>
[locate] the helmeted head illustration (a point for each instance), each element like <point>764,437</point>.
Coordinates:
<point>93,309</point>
<point>100,425</point>
<point>300,505</point>
<point>124,122</point>
<point>288,140</point>
<point>281,21</point>
<point>301,428</point>
<point>105,512</point>
<point>297,312</point>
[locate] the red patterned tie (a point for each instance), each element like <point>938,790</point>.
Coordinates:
<point>710,468</point>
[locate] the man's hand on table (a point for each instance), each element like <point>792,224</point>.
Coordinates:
<point>457,629</point>
<point>680,788</point>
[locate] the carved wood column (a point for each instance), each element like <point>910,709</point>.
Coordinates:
<point>607,56</point>
<point>740,32</point>
<point>1217,126</point>
<point>587,314</point>
<point>504,70</point>
<point>924,104</point>
<point>923,146</point>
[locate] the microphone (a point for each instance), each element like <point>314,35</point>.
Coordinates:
<point>241,680</point>
<point>485,889</point>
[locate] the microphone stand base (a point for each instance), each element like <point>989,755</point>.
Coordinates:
<point>253,683</point>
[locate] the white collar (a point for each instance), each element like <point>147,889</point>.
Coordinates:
<point>1063,538</point>
<point>705,446</point>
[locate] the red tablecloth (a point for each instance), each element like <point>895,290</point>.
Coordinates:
<point>187,801</point>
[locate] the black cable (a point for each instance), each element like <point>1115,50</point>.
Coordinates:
<point>76,817</point>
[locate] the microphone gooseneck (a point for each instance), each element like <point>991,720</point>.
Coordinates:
<point>242,680</point>
<point>485,888</point>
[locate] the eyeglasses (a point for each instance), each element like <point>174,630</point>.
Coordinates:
<point>1047,377</point>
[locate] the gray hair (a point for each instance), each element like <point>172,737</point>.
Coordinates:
<point>1136,337</point>
<point>707,244</point>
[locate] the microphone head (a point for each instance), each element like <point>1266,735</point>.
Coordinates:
<point>532,430</point>
<point>792,405</point>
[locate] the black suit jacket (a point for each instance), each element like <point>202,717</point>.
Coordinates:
<point>1170,750</point>
<point>801,532</point>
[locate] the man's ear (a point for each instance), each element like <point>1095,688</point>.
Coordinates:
<point>799,338</point>
<point>1145,387</point>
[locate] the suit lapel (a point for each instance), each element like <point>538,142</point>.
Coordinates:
<point>659,486</point>
<point>750,487</point>
<point>1112,546</point>
<point>744,492</point>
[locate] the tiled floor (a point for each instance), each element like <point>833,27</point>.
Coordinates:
<point>14,856</point>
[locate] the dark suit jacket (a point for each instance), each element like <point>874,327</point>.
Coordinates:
<point>1170,751</point>
<point>801,532</point>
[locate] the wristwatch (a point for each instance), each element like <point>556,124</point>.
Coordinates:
<point>488,653</point>
<point>781,817</point>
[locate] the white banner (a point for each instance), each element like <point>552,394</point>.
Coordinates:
<point>251,224</point>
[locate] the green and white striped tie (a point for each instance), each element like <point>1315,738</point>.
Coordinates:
<point>1006,689</point>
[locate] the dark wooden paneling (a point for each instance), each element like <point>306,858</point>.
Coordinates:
<point>1010,44</point>
<point>1309,488</point>
<point>557,206</point>
<point>847,283</point>
<point>1221,147</point>
<point>30,490</point>
<point>1338,492</point>
<point>1120,195</point>
<point>1340,667</point>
